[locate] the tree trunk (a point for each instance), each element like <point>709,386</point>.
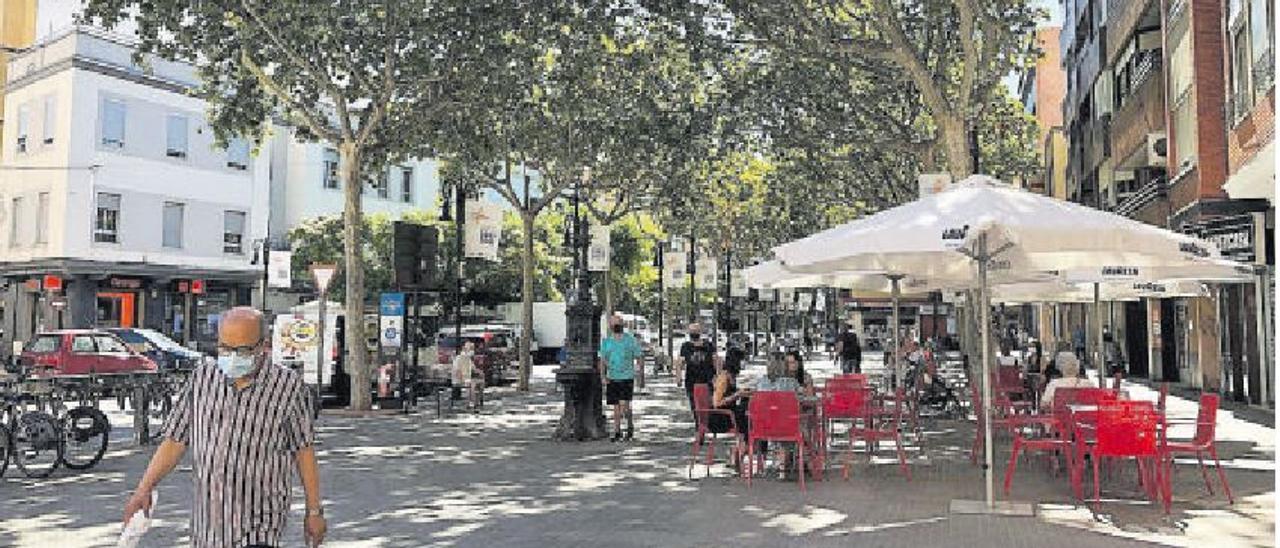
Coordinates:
<point>526,297</point>
<point>955,139</point>
<point>353,255</point>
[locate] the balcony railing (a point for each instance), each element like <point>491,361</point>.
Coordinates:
<point>1239,105</point>
<point>1149,193</point>
<point>1264,73</point>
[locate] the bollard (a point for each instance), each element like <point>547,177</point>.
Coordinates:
<point>141,415</point>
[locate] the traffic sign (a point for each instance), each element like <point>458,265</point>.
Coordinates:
<point>391,304</point>
<point>323,274</point>
<point>391,331</point>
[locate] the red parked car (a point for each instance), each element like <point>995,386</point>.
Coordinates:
<point>82,352</point>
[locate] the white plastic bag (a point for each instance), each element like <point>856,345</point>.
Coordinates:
<point>137,526</point>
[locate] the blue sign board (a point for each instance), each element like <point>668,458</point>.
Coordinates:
<point>391,304</point>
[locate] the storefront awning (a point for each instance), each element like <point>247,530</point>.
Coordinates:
<point>1257,177</point>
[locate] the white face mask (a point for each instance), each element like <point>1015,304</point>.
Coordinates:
<point>235,366</point>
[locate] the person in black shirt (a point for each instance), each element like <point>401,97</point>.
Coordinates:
<point>697,362</point>
<point>849,351</point>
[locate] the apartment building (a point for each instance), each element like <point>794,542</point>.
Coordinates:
<point>1154,133</point>
<point>112,188</point>
<point>1041,89</point>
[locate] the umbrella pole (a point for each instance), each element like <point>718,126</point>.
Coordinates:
<point>1099,352</point>
<point>987,506</point>
<point>984,314</point>
<point>897,360</point>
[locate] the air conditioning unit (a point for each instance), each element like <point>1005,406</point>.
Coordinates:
<point>1157,149</point>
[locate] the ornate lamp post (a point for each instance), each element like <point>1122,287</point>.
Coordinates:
<point>583,415</point>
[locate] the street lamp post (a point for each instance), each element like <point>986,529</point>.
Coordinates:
<point>583,417</point>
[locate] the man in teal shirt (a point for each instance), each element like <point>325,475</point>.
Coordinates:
<point>619,353</point>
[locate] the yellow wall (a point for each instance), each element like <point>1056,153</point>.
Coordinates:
<point>1057,173</point>
<point>17,30</point>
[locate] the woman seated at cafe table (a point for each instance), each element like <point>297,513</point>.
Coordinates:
<point>726,395</point>
<point>787,376</point>
<point>1070,366</point>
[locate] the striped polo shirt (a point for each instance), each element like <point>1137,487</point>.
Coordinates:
<point>242,444</point>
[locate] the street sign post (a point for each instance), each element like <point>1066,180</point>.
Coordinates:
<point>322,273</point>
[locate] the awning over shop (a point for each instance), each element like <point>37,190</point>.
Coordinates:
<point>1257,178</point>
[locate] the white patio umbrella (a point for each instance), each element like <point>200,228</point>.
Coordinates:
<point>998,228</point>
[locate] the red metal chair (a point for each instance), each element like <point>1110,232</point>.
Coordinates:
<point>1203,443</point>
<point>1056,439</point>
<point>703,410</point>
<point>1128,429</point>
<point>775,417</point>
<point>883,422</point>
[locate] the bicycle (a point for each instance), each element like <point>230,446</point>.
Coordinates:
<point>85,429</point>
<point>33,437</point>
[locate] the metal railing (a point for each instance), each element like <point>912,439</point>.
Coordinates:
<point>1264,73</point>
<point>1149,192</point>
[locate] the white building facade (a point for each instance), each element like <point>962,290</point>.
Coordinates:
<point>305,185</point>
<point>112,183</point>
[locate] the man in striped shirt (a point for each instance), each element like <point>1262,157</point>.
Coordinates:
<point>248,425</point>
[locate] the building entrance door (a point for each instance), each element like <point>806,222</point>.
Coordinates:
<point>117,309</point>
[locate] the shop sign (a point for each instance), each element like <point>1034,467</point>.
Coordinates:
<point>32,285</point>
<point>52,283</point>
<point>124,283</point>
<point>1236,236</point>
<point>197,287</point>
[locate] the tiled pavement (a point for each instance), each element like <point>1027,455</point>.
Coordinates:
<point>497,480</point>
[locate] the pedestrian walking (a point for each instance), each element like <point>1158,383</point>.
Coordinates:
<point>620,354</point>
<point>849,351</point>
<point>466,376</point>
<point>696,363</point>
<point>248,424</point>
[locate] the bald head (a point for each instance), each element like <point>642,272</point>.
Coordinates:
<point>240,327</point>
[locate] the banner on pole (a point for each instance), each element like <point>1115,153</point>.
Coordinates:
<point>483,230</point>
<point>674,268</point>
<point>599,252</point>
<point>738,284</point>
<point>706,274</point>
<point>280,269</point>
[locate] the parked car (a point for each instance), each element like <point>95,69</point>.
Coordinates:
<point>81,352</point>
<point>166,352</point>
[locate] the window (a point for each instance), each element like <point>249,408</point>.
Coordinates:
<point>176,136</point>
<point>382,184</point>
<point>1261,35</point>
<point>42,218</point>
<point>50,117</point>
<point>24,127</point>
<point>45,344</point>
<point>82,344</point>
<point>1180,68</point>
<point>1184,132</point>
<point>107,221</point>
<point>1240,91</point>
<point>15,223</point>
<point>406,185</point>
<point>107,343</point>
<point>233,232</point>
<point>113,115</point>
<point>173,224</point>
<point>238,153</point>
<point>330,168</point>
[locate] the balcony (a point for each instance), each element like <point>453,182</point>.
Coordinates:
<point>1149,193</point>
<point>1096,145</point>
<point>1239,106</point>
<point>1264,73</point>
